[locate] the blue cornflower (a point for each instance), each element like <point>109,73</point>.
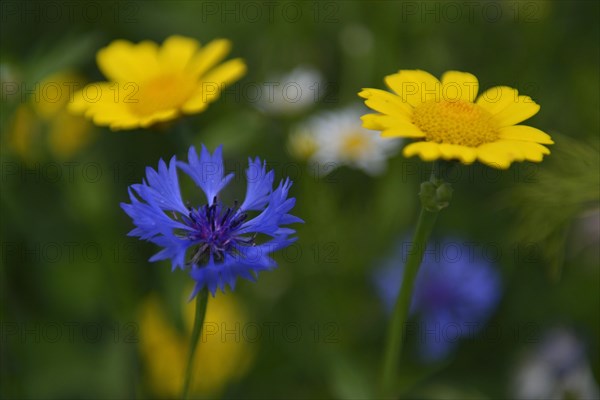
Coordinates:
<point>214,242</point>
<point>455,292</point>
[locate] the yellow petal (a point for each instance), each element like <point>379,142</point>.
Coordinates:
<point>386,102</point>
<point>124,123</point>
<point>521,151</point>
<point>414,86</point>
<point>518,111</point>
<point>525,133</point>
<point>502,153</point>
<point>111,114</point>
<point>213,83</point>
<point>226,73</point>
<point>428,151</point>
<point>77,105</point>
<point>459,86</point>
<point>127,62</point>
<point>384,121</point>
<point>93,95</point>
<point>387,108</point>
<point>497,98</point>
<point>105,111</point>
<point>177,51</point>
<point>453,151</point>
<point>98,102</point>
<point>160,116</point>
<point>402,129</point>
<point>369,121</point>
<point>494,155</point>
<point>507,106</point>
<point>208,56</point>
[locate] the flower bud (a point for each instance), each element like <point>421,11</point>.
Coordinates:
<point>435,196</point>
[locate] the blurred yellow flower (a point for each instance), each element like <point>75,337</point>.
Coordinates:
<point>149,84</point>
<point>43,122</point>
<point>222,356</point>
<point>449,122</point>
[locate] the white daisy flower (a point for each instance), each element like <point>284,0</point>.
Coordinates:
<point>339,139</point>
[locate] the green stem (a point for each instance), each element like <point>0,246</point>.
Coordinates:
<point>201,302</point>
<point>396,333</point>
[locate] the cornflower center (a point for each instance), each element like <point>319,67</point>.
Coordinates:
<point>215,229</point>
<point>455,122</point>
<point>161,93</point>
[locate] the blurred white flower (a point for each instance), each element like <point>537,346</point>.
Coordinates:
<point>339,139</point>
<point>556,369</point>
<point>292,93</point>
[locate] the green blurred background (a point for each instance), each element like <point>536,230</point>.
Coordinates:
<point>75,289</point>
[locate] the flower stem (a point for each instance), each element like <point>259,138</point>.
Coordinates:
<point>435,195</point>
<point>201,302</point>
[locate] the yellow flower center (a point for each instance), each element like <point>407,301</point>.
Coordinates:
<point>162,93</point>
<point>455,122</point>
<point>354,145</point>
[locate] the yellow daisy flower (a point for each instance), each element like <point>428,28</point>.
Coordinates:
<point>450,122</point>
<point>149,84</point>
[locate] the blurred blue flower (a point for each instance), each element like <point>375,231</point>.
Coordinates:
<point>455,292</point>
<point>214,242</point>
